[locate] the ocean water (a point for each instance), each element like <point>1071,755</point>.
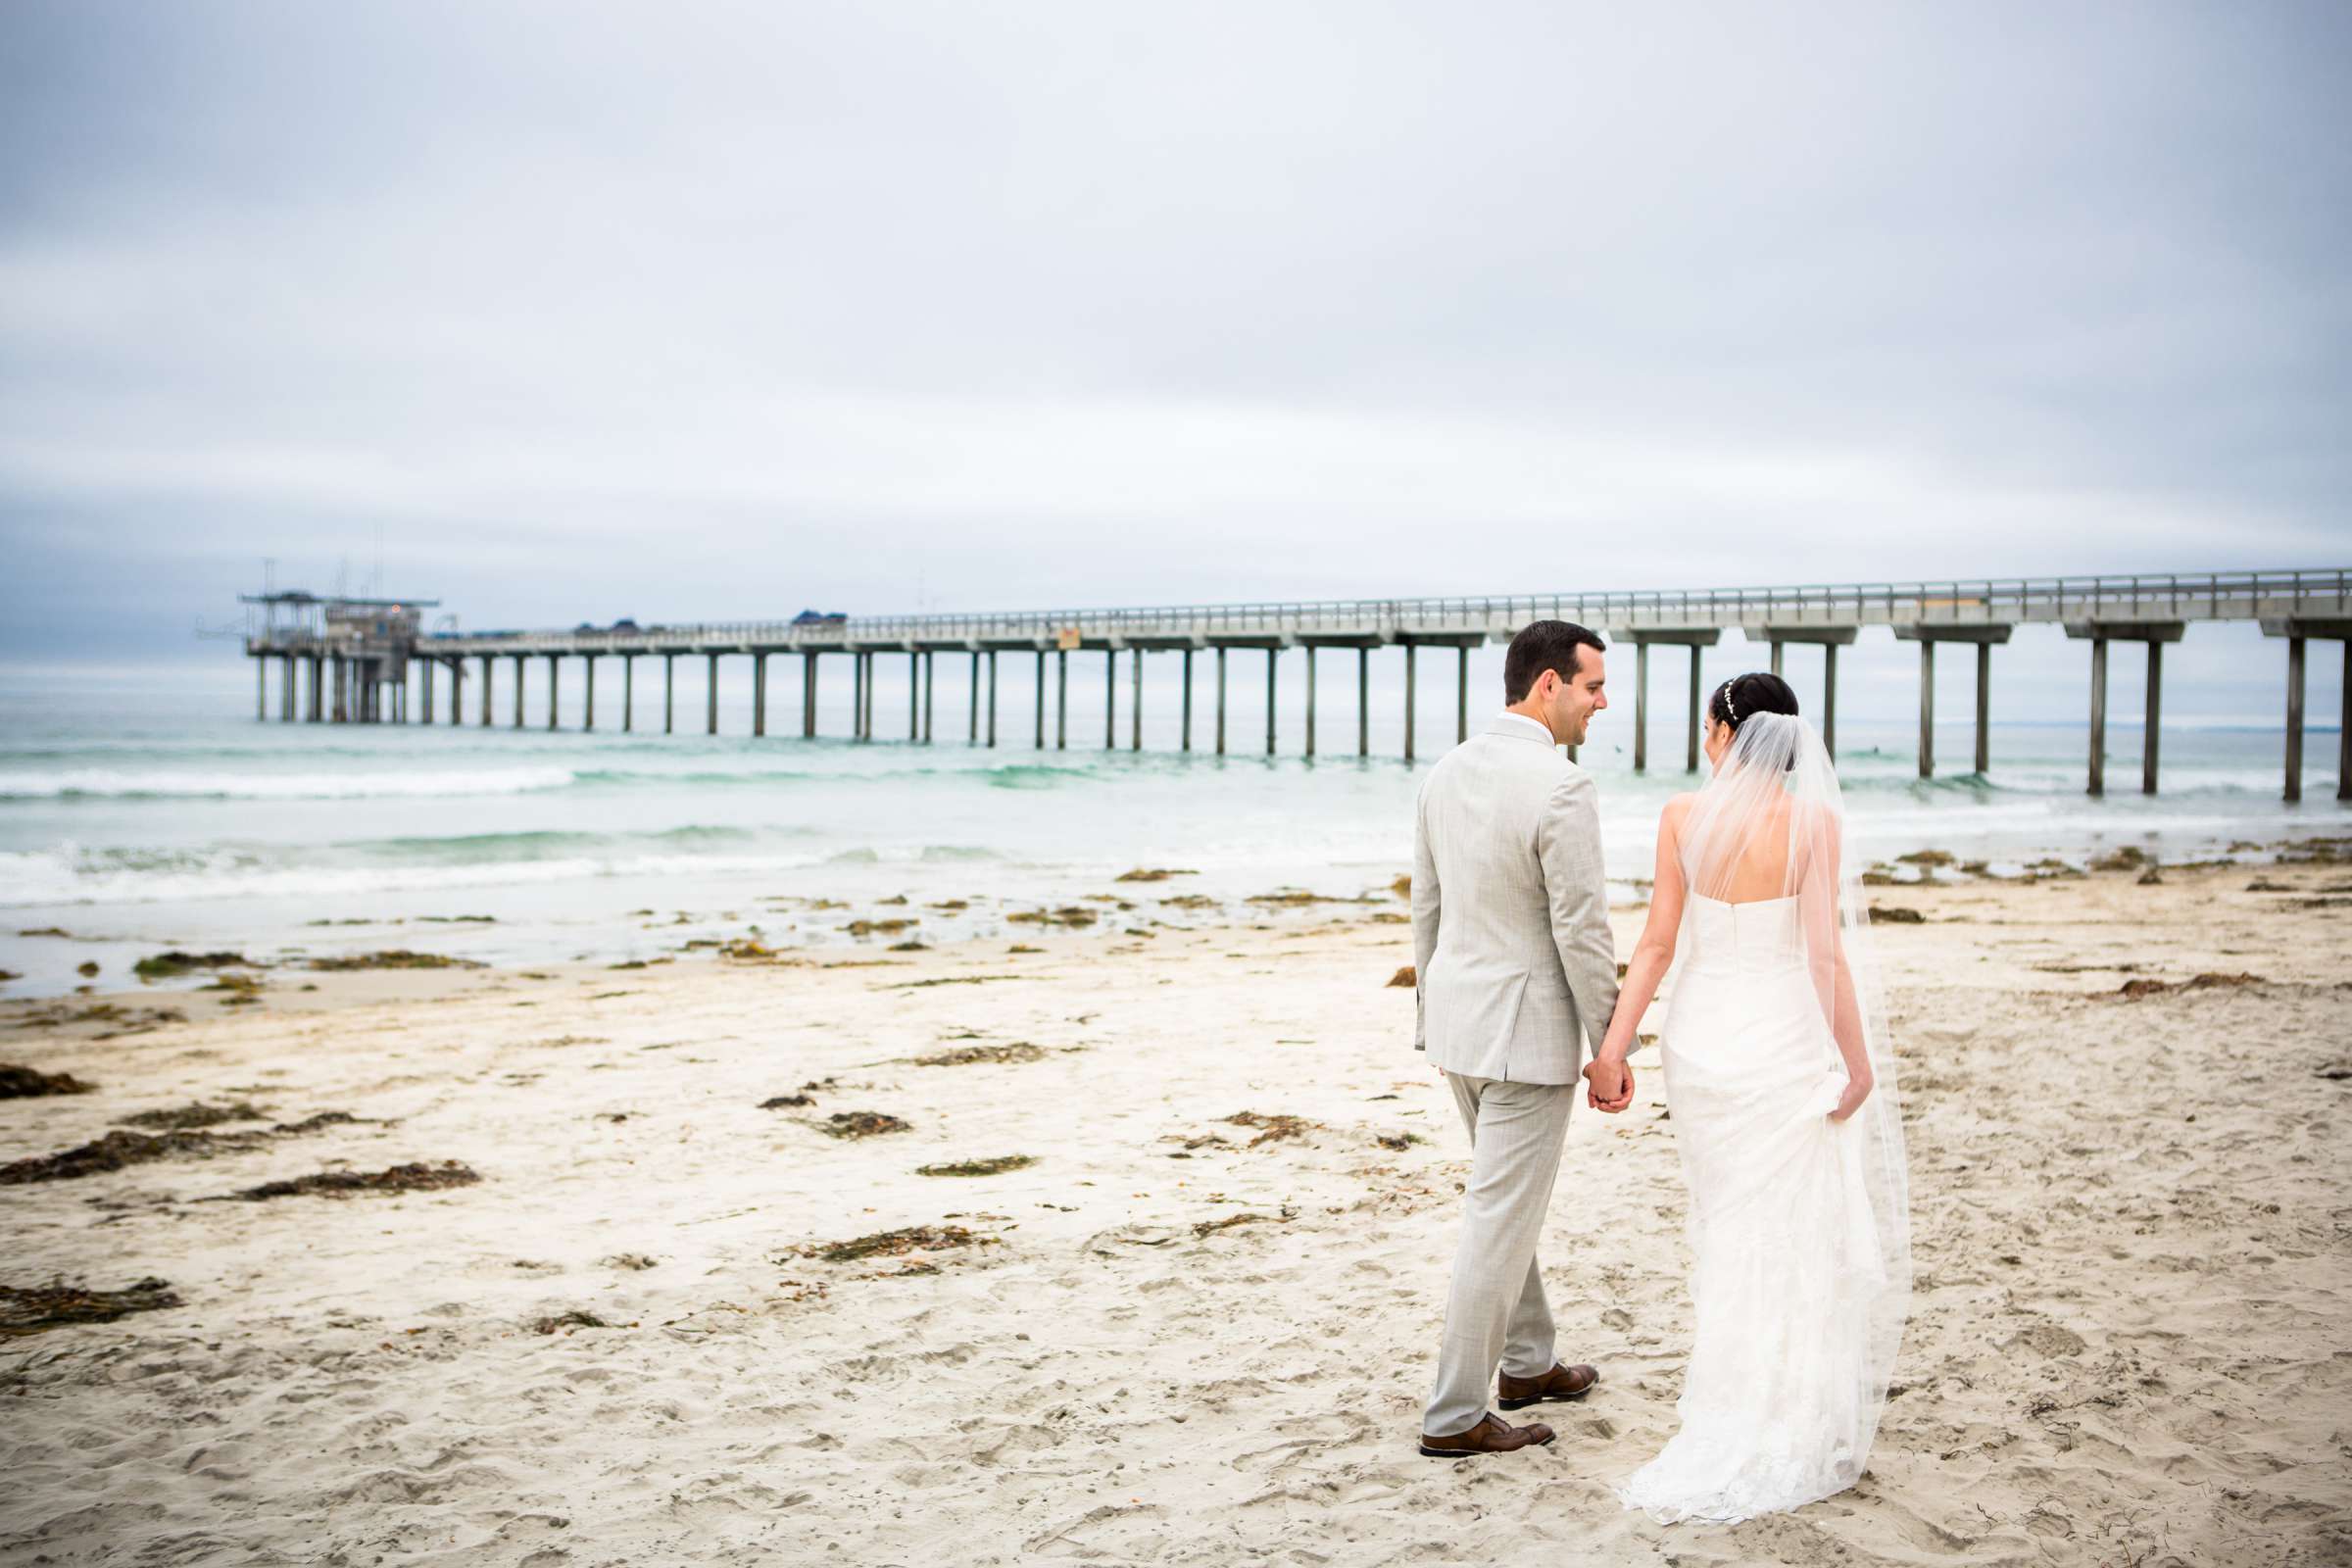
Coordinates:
<point>141,810</point>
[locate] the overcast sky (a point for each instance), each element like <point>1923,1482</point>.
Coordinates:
<point>687,310</point>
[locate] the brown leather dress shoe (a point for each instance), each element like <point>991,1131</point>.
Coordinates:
<point>1492,1434</point>
<point>1560,1383</point>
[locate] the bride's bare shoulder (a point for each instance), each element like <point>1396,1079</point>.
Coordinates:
<point>1677,808</point>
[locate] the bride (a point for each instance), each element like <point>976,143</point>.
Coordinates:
<point>1780,1084</point>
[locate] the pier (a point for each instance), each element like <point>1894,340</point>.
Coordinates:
<point>371,653</point>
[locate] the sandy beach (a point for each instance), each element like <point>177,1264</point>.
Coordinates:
<point>1198,1325</point>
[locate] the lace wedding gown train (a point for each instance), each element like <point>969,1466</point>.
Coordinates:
<point>1782,1390</point>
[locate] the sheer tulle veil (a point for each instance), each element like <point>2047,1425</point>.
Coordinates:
<point>1777,787</point>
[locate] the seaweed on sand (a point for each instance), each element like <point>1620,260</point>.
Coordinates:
<point>575,1318</point>
<point>188,1117</point>
<point>1069,915</point>
<point>862,1124</point>
<point>1407,977</point>
<point>29,1309</point>
<point>896,1244</point>
<point>174,964</point>
<point>117,1149</point>
<point>1271,1128</point>
<point>1209,1227</point>
<point>1151,874</point>
<point>396,959</point>
<point>408,1178</point>
<point>2134,990</point>
<point>26,1083</point>
<point>784,1102</point>
<point>122,1148</point>
<point>968,1055</point>
<point>978,1167</point>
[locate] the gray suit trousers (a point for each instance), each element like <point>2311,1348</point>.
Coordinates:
<point>1496,1313</point>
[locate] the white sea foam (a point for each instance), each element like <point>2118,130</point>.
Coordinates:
<point>115,784</point>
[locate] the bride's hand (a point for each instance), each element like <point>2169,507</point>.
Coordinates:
<point>1857,1090</point>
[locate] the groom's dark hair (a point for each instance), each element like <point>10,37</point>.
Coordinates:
<point>1543,645</point>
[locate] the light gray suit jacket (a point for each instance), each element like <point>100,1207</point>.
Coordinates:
<point>1514,965</point>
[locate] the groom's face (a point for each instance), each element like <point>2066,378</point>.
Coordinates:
<point>1577,698</point>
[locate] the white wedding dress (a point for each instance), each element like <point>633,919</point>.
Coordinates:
<point>1797,1224</point>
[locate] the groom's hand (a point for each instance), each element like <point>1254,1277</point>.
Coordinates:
<point>1608,1084</point>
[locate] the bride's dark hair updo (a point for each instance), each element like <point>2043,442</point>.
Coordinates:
<point>1743,696</point>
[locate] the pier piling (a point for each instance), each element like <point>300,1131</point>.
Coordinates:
<point>1041,700</point>
<point>669,693</point>
<point>1186,743</point>
<point>710,698</point>
<point>628,693</point>
<point>992,699</point>
<point>1363,702</point>
<point>1220,702</point>
<point>1927,708</point>
<point>1135,706</point>
<point>759,694</point>
<point>973,738</point>
<point>1310,701</point>
<point>2098,715</point>
<point>1409,684</point>
<point>1061,699</point>
<point>1272,654</point>
<point>1462,695</point>
<point>518,683</point>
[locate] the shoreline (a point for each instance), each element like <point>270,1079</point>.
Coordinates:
<point>824,928</point>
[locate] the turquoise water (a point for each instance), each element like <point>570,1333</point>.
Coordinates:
<point>141,809</point>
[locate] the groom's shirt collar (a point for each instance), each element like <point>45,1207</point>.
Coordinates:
<point>1508,723</point>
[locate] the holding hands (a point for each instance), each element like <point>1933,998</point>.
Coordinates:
<point>1608,1083</point>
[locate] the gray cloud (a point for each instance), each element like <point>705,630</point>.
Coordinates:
<point>723,310</point>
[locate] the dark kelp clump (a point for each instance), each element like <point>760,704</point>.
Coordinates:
<point>968,1055</point>
<point>414,1177</point>
<point>117,1149</point>
<point>978,1167</point>
<point>896,1244</point>
<point>862,1124</point>
<point>1271,1128</point>
<point>574,1319</point>
<point>171,965</point>
<point>190,1117</point>
<point>1406,978</point>
<point>29,1309</point>
<point>122,1148</point>
<point>782,1101</point>
<point>26,1083</point>
<point>395,958</point>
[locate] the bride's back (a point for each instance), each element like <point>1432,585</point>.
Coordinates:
<point>1745,867</point>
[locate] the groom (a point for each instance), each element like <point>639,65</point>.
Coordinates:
<point>1513,966</point>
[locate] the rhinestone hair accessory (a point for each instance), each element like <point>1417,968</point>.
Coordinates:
<point>1727,704</point>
